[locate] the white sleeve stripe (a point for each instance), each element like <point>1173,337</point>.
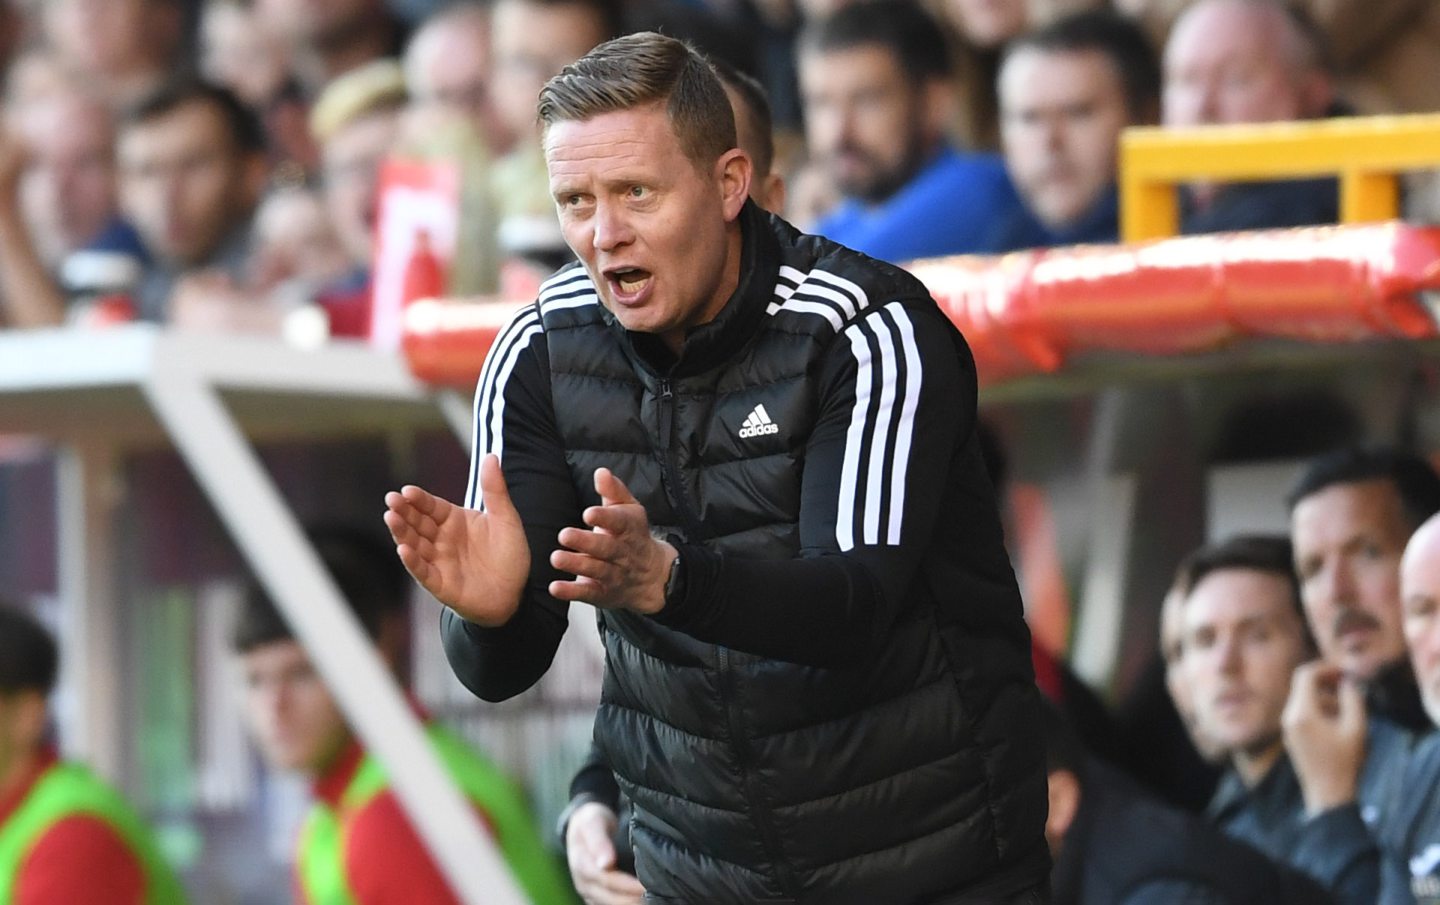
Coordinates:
<point>564,278</point>
<point>884,417</point>
<point>854,440</point>
<point>497,407</point>
<point>800,306</point>
<point>903,436</point>
<point>498,364</point>
<point>879,439</point>
<point>851,289</point>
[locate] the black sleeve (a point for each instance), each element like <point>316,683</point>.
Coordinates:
<point>514,419</point>
<point>596,781</point>
<point>897,401</point>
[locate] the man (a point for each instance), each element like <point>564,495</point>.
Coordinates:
<point>1411,840</point>
<point>126,49</point>
<point>874,81</point>
<point>1066,93</point>
<point>58,215</point>
<point>357,846</point>
<point>1248,61</point>
<point>770,442</point>
<point>594,825</point>
<point>1350,720</point>
<point>1244,636</point>
<point>192,168</point>
<point>65,836</point>
<point>1114,845</point>
<point>447,65</point>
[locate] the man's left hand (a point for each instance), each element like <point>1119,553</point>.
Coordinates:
<point>617,563</point>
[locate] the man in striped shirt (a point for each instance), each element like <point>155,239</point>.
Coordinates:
<point>754,453</point>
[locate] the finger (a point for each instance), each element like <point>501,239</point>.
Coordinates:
<point>621,884</point>
<point>410,526</point>
<point>415,564</point>
<point>1351,704</point>
<point>494,492</point>
<point>612,490</point>
<point>593,837</point>
<point>581,590</point>
<point>616,518</point>
<point>590,543</point>
<point>582,566</point>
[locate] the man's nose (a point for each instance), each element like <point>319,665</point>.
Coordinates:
<point>612,228</point>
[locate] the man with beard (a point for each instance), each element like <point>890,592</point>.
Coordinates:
<point>875,83</point>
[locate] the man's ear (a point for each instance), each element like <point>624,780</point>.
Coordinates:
<point>1064,802</point>
<point>733,174</point>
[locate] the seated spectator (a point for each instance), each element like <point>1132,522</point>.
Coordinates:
<point>192,168</point>
<point>124,48</point>
<point>874,80</point>
<point>1248,61</point>
<point>1384,51</point>
<point>532,41</point>
<point>238,51</point>
<point>58,209</point>
<point>330,39</point>
<point>296,249</point>
<point>1112,844</point>
<point>1411,838</point>
<point>447,64</point>
<point>1352,716</point>
<point>357,845</point>
<point>1066,93</point>
<point>356,123</point>
<point>65,835</point>
<point>1244,637</point>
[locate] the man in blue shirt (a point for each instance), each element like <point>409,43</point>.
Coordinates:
<point>874,80</point>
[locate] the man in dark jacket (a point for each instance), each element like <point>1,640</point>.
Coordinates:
<point>818,685</point>
<point>1114,844</point>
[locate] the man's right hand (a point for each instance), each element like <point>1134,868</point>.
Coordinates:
<point>591,854</point>
<point>1324,724</point>
<point>475,562</point>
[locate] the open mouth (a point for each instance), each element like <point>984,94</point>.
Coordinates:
<point>628,281</point>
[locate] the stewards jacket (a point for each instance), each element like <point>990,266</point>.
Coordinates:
<point>840,706</point>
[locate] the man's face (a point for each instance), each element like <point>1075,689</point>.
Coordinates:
<point>351,160</point>
<point>865,122</point>
<point>988,23</point>
<point>531,44</point>
<point>69,185</point>
<point>1061,117</point>
<point>1243,640</point>
<point>1222,66</point>
<point>448,65</point>
<point>652,227</point>
<point>291,713</point>
<point>1348,540</point>
<point>318,22</point>
<point>183,183</point>
<point>99,35</point>
<point>1420,583</point>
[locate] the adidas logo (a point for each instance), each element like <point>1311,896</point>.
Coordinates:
<point>758,423</point>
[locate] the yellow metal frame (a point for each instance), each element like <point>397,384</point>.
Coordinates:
<point>1368,154</point>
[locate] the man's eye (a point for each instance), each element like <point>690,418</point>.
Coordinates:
<point>638,191</point>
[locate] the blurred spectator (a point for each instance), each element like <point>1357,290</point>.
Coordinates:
<point>1248,61</point>
<point>980,29</point>
<point>532,41</point>
<point>358,845</point>
<point>755,134</point>
<point>356,122</point>
<point>1385,51</point>
<point>331,37</point>
<point>1114,845</point>
<point>239,52</point>
<point>1245,635</point>
<point>296,247</point>
<point>58,208</point>
<point>447,64</point>
<point>1411,839</point>
<point>65,835</point>
<point>1349,723</point>
<point>875,81</point>
<point>1067,91</point>
<point>124,48</point>
<point>192,169</point>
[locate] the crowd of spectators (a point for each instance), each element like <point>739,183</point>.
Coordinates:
<point>217,164</point>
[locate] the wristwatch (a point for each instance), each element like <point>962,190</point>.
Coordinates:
<point>675,584</point>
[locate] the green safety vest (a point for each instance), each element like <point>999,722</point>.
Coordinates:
<point>321,863</point>
<point>69,790</point>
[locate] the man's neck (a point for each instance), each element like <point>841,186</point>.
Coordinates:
<point>1253,765</point>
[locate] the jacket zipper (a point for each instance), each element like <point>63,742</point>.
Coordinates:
<point>739,743</point>
<point>670,472</point>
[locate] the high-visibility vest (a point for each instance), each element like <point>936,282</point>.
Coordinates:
<point>321,861</point>
<point>70,790</point>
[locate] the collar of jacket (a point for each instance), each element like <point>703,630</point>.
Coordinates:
<point>1394,695</point>
<point>716,342</point>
